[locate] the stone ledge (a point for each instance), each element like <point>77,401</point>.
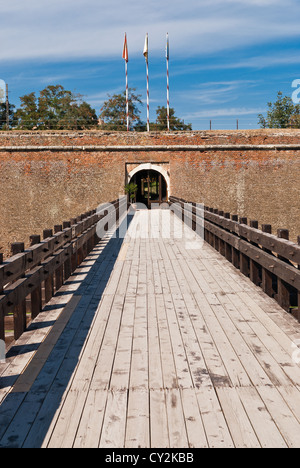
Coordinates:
<point>141,148</point>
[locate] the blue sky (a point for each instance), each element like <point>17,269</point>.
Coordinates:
<point>227,58</point>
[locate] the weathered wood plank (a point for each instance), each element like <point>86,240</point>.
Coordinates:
<point>263,424</point>
<point>159,430</point>
<point>114,424</point>
<point>237,420</point>
<point>161,351</point>
<point>216,428</point>
<point>138,427</point>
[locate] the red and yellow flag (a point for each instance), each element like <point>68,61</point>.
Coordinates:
<point>125,49</point>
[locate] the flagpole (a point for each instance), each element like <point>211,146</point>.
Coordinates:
<point>125,57</point>
<point>148,104</point>
<point>127,96</point>
<point>146,53</point>
<point>168,84</point>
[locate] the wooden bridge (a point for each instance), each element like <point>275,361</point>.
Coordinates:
<point>151,337</point>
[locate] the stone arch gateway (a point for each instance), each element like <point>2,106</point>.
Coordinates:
<point>153,183</point>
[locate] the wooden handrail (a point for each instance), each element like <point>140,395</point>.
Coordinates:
<point>49,262</point>
<point>271,262</point>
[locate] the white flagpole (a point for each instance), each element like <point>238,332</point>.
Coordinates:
<point>125,57</point>
<point>127,96</point>
<point>168,84</point>
<point>148,104</point>
<point>147,67</point>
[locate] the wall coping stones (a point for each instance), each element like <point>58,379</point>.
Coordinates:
<point>155,148</point>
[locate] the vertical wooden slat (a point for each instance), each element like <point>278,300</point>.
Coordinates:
<point>79,254</point>
<point>244,260</point>
<point>267,276</point>
<point>283,288</point>
<point>67,268</point>
<point>298,293</point>
<point>59,272</point>
<point>19,311</point>
<point>85,245</point>
<point>49,282</point>
<point>228,247</point>
<point>219,243</point>
<point>193,216</point>
<point>90,240</point>
<point>254,266</point>
<point>235,252</point>
<point>210,235</point>
<point>160,188</point>
<point>36,295</point>
<point>2,318</point>
<point>74,253</point>
<point>215,239</point>
<point>205,230</point>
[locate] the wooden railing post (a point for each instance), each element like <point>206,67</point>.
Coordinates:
<point>67,268</point>
<point>220,242</point>
<point>228,247</point>
<point>235,252</point>
<point>60,270</point>
<point>254,266</point>
<point>89,242</point>
<point>210,234</point>
<point>85,245</point>
<point>19,311</point>
<point>298,292</point>
<point>267,276</point>
<point>79,257</point>
<point>205,230</point>
<point>244,259</point>
<point>36,295</point>
<point>49,282</point>
<point>194,216</point>
<point>74,254</point>
<point>2,315</point>
<point>283,288</point>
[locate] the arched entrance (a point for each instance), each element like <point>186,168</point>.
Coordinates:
<point>152,184</point>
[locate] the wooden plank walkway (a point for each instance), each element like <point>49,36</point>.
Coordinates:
<point>159,342</point>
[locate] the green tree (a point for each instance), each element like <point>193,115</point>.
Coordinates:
<point>131,190</point>
<point>113,112</point>
<point>55,108</point>
<point>27,115</point>
<point>12,120</point>
<point>283,113</point>
<point>176,124</point>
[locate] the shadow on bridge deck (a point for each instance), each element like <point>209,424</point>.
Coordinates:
<point>155,342</point>
<point>31,397</point>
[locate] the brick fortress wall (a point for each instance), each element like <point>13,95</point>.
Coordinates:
<point>49,177</point>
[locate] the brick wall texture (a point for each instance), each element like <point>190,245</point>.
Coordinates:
<point>49,177</point>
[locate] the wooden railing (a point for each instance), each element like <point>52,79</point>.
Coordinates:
<point>271,262</point>
<point>30,278</point>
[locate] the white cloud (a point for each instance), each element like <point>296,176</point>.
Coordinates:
<point>263,61</point>
<point>224,112</point>
<point>218,92</point>
<point>94,28</point>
